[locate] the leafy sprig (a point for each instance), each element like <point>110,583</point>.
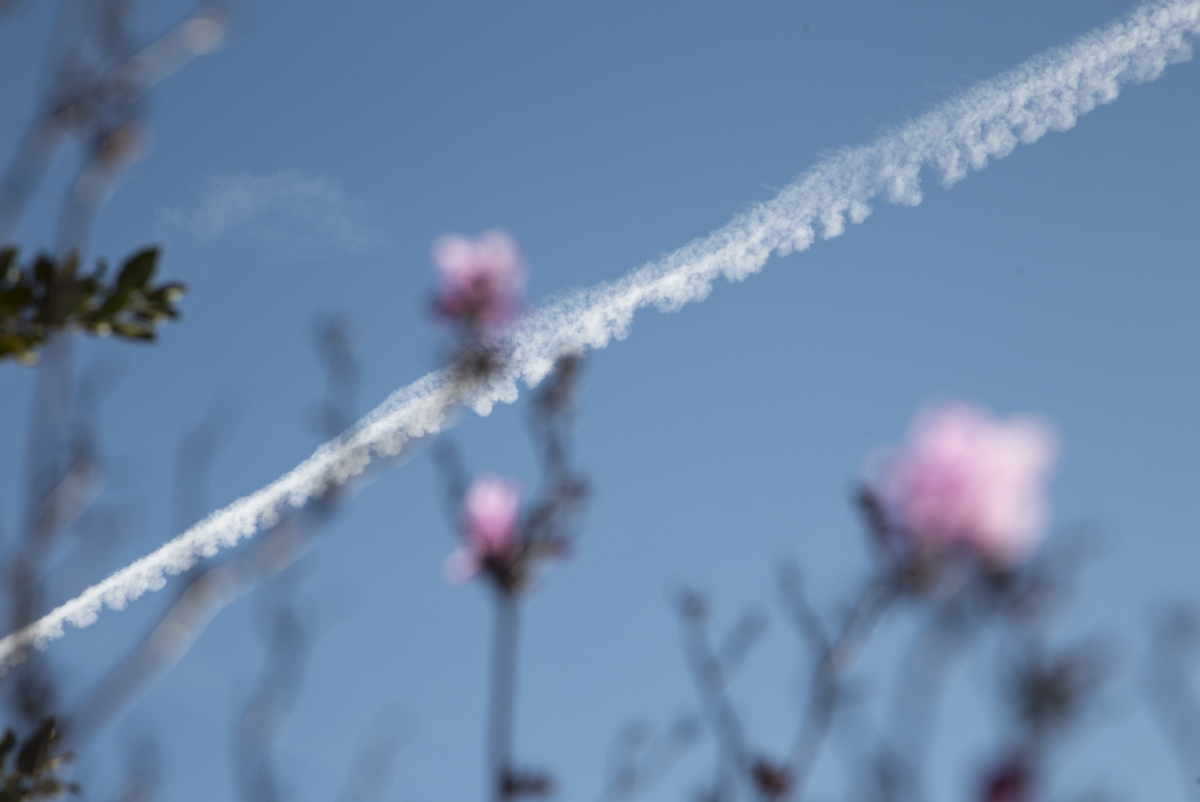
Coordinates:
<point>32,775</point>
<point>50,296</point>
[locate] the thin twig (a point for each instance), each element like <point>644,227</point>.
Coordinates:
<point>711,676</point>
<point>207,594</point>
<point>378,748</point>
<point>637,762</point>
<point>262,722</point>
<point>833,660</point>
<point>1166,683</point>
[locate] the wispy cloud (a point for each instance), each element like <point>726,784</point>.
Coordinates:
<point>285,209</point>
<point>1047,93</point>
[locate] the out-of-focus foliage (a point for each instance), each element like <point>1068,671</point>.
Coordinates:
<point>32,775</point>
<point>50,296</point>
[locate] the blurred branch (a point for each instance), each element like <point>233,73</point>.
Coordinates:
<point>1048,690</point>
<point>449,463</point>
<point>63,478</point>
<point>378,748</point>
<point>143,775</point>
<point>205,593</point>
<point>205,596</point>
<point>209,592</point>
<point>563,498</point>
<point>916,697</point>
<point>262,722</point>
<point>1167,685</point>
<point>8,7</point>
<point>502,698</point>
<point>194,458</point>
<point>552,412</point>
<point>335,340</point>
<point>711,671</point>
<point>833,655</point>
<point>95,94</point>
<point>638,762</point>
<point>96,79</point>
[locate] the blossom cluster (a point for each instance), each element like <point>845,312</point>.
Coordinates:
<point>966,480</point>
<point>480,281</point>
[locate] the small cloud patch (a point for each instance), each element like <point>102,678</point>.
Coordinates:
<point>284,210</point>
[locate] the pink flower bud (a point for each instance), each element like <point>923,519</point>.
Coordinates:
<point>479,281</point>
<point>968,479</point>
<point>491,512</point>
<point>491,523</point>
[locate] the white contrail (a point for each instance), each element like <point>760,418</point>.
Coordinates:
<point>1048,92</point>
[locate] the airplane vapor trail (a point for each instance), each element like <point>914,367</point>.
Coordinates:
<point>1049,92</point>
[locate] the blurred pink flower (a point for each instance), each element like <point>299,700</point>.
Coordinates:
<point>490,516</point>
<point>479,281</point>
<point>966,478</point>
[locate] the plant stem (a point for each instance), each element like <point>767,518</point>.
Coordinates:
<point>503,695</point>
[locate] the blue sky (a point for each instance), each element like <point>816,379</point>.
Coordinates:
<point>1060,280</point>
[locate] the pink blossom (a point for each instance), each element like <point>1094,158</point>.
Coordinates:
<point>966,478</point>
<point>490,518</point>
<point>479,281</point>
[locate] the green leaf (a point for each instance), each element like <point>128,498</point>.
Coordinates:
<point>35,751</point>
<point>132,331</point>
<point>138,269</point>
<point>43,270</point>
<point>16,297</point>
<point>10,740</point>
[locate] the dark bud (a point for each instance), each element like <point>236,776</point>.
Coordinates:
<point>1050,692</point>
<point>874,517</point>
<point>478,360</point>
<point>773,782</point>
<point>1011,782</point>
<point>517,784</point>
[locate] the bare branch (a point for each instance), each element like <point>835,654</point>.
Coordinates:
<point>97,83</point>
<point>378,750</point>
<point>638,762</point>
<point>1167,685</point>
<point>207,594</point>
<point>833,659</point>
<point>262,722</point>
<point>711,676</point>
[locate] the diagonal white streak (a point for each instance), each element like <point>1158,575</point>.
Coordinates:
<point>1047,93</point>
